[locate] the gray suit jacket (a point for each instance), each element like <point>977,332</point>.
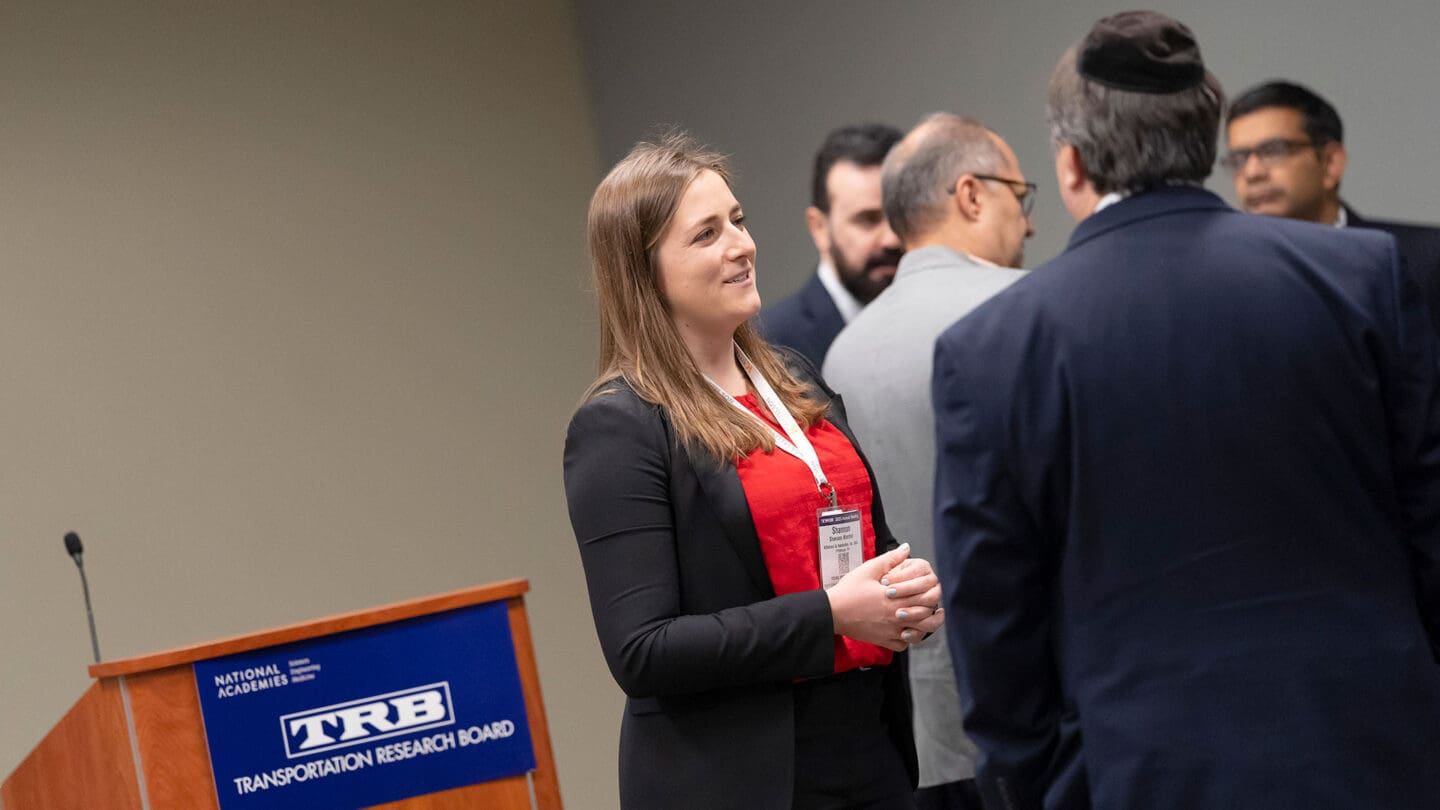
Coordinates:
<point>880,363</point>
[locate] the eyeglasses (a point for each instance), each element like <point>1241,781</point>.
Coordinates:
<point>1270,152</point>
<point>1026,197</point>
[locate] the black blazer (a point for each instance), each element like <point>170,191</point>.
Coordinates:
<point>687,617</point>
<point>807,321</point>
<point>1419,248</point>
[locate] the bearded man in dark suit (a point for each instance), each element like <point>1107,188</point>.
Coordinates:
<point>858,251</point>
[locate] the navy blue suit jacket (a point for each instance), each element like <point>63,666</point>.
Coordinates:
<point>807,321</point>
<point>1188,518</point>
<point>1419,247</point>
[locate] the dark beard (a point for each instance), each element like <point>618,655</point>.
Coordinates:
<point>856,279</point>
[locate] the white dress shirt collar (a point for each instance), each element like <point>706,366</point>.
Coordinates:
<point>848,305</point>
<point>1108,200</point>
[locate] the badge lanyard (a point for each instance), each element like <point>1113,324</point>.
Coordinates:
<point>794,441</point>
<point>839,528</point>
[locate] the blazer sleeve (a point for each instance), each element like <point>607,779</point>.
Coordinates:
<point>996,568</point>
<point>617,468</point>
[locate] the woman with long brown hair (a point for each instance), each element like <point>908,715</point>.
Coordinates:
<point>748,596</point>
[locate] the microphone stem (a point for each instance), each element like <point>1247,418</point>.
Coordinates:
<point>89,614</point>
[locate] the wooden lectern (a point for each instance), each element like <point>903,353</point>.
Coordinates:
<point>136,740</point>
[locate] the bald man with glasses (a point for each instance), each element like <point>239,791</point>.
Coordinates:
<point>1287,155</point>
<point>954,192</point>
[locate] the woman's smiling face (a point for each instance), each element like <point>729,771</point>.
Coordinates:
<point>706,262</point>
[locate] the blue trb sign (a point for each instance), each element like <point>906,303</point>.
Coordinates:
<point>367,717</point>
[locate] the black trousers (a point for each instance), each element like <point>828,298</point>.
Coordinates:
<point>844,758</point>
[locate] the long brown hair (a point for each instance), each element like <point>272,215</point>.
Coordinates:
<point>629,213</point>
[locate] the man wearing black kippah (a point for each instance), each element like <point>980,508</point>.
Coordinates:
<point>1187,498</point>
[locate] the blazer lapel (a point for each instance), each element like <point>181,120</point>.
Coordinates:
<point>724,494</point>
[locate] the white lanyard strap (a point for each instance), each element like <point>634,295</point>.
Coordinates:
<point>794,441</point>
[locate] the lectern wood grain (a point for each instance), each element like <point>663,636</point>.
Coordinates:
<point>171,737</point>
<point>547,781</point>
<point>83,762</point>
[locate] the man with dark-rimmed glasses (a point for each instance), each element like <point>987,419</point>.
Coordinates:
<point>954,192</point>
<point>1023,190</point>
<point>1287,155</point>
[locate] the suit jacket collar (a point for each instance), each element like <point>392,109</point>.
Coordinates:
<point>817,302</point>
<point>934,257</point>
<point>1146,205</point>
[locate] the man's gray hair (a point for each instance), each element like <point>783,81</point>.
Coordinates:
<point>919,174</point>
<point>1129,142</point>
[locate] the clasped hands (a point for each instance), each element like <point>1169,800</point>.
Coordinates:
<point>891,601</point>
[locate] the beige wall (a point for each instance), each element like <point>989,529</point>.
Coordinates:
<point>291,321</point>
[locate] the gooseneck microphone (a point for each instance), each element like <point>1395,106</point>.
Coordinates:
<point>74,548</point>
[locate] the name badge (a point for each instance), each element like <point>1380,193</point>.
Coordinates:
<point>841,546</point>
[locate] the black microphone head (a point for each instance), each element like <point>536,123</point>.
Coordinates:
<point>72,544</point>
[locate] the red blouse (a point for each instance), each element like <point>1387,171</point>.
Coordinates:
<point>783,500</point>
